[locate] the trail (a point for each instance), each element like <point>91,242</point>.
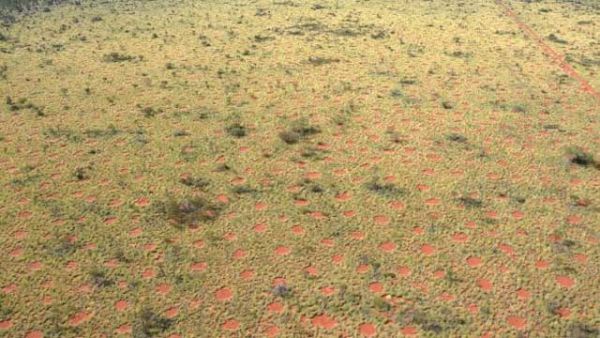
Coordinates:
<point>555,56</point>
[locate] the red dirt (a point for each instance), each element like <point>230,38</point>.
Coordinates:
<point>260,227</point>
<point>142,202</point>
<point>367,330</point>
<point>328,291</point>
<point>565,281</point>
<point>312,271</point>
<point>136,232</point>
<point>6,324</point>
<point>523,294</point>
<point>231,325</point>
<point>36,266</point>
<point>518,323</point>
<point>474,261</point>
<point>297,229</point>
<point>239,254</point>
<point>149,273</point>
<point>124,329</point>
<point>337,258</point>
<point>282,251</point>
<point>388,246</point>
<point>224,294</point>
<point>261,206</point>
<point>485,284</point>
<point>272,331</point>
<point>409,331</point>
<point>432,201</point>
<point>247,275</point>
<point>542,264</point>
<point>574,219</point>
<point>427,250</point>
<point>563,312</point>
<point>324,321</point>
<point>580,258</point>
<point>397,205</point>
<point>381,220</point>
<point>376,287</point>
<point>404,271</point>
<point>344,196</point>
<point>357,235</point>
<point>222,198</point>
<point>121,305</point>
<point>275,307</point>
<point>80,318</point>
<point>362,268</point>
<point>34,334</point>
<point>163,288</point>
<point>460,237</point>
<point>172,312</point>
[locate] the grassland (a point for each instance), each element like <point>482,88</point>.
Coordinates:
<point>300,169</point>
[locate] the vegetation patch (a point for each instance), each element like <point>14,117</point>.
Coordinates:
<point>189,211</point>
<point>299,131</point>
<point>582,158</point>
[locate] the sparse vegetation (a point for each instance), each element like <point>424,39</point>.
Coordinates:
<point>299,168</point>
<point>582,158</point>
<point>554,38</point>
<point>236,130</point>
<point>150,324</point>
<point>118,57</point>
<point>300,130</point>
<point>385,190</point>
<point>189,211</point>
<point>319,61</point>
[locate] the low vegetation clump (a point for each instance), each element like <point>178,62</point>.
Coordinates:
<point>300,130</point>
<point>582,158</point>
<point>150,324</point>
<point>236,130</point>
<point>190,211</point>
<point>118,57</point>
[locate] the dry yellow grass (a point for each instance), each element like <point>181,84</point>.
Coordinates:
<point>241,168</point>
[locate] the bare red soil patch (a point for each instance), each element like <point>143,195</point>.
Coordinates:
<point>324,321</point>
<point>367,330</point>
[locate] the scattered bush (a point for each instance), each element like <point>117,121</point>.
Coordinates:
<point>236,130</point>
<point>582,158</point>
<point>319,61</point>
<point>447,105</point>
<point>149,324</point>
<point>386,190</point>
<point>150,111</point>
<point>300,130</point>
<point>117,57</point>
<point>195,182</point>
<point>189,211</point>
<point>99,279</point>
<point>282,291</point>
<point>470,202</point>
<point>81,173</point>
<point>554,38</point>
<point>456,138</point>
